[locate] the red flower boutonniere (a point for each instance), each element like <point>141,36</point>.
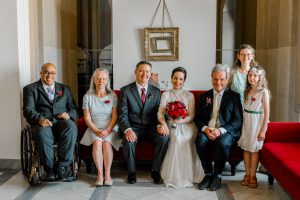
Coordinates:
<point>59,93</point>
<point>107,102</point>
<point>252,99</point>
<point>208,101</point>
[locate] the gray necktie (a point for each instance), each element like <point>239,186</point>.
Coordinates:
<point>50,93</point>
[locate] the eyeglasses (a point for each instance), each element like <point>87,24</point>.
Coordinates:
<point>244,55</point>
<point>49,73</point>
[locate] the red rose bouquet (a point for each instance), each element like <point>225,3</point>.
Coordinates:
<point>176,110</point>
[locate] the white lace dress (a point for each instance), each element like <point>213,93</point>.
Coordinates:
<point>252,122</point>
<point>181,166</point>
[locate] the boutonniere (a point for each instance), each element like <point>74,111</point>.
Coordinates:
<point>252,99</point>
<point>107,102</point>
<point>59,93</point>
<point>208,101</point>
<point>150,96</point>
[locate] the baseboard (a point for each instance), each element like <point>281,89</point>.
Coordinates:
<point>10,164</point>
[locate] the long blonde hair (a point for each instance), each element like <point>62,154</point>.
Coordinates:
<point>262,82</point>
<point>92,89</point>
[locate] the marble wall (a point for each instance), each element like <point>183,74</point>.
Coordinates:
<point>277,52</point>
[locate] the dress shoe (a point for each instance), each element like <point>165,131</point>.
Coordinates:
<point>50,175</point>
<point>215,183</point>
<point>156,177</point>
<point>205,183</point>
<point>131,177</point>
<point>64,175</point>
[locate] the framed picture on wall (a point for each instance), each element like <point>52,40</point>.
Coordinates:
<point>161,44</point>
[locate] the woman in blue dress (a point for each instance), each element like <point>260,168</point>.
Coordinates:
<point>238,74</point>
<point>100,114</point>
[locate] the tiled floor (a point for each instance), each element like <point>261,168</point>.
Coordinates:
<point>13,185</point>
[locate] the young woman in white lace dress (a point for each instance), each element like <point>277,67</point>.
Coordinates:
<point>255,122</point>
<point>181,166</point>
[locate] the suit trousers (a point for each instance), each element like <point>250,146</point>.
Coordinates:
<point>216,151</point>
<point>64,132</point>
<point>161,146</point>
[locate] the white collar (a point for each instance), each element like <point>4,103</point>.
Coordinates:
<point>219,93</point>
<point>140,87</point>
<point>46,86</point>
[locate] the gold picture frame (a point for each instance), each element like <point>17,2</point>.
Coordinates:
<point>161,44</point>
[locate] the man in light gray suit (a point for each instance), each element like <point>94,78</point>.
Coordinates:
<point>137,108</point>
<point>50,109</point>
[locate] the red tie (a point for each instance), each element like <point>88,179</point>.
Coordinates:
<point>143,95</point>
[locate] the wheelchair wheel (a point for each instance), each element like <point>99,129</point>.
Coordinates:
<point>34,174</point>
<point>76,162</point>
<point>25,151</point>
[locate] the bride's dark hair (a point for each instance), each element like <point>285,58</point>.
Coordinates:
<point>179,69</point>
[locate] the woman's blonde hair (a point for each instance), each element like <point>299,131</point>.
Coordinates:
<point>92,89</point>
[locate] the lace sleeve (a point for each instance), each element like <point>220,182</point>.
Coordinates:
<point>162,108</point>
<point>191,108</point>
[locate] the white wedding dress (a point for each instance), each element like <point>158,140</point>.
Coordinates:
<point>181,166</point>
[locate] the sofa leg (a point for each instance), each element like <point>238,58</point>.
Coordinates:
<point>88,166</point>
<point>233,165</point>
<point>270,178</point>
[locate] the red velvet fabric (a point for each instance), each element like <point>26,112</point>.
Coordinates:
<point>283,132</point>
<point>280,155</point>
<point>145,149</point>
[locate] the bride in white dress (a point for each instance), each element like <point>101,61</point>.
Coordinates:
<point>181,166</point>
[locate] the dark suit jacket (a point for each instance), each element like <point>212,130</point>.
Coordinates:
<point>230,112</point>
<point>132,113</point>
<point>36,104</point>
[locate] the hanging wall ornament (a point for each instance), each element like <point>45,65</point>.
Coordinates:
<point>161,43</point>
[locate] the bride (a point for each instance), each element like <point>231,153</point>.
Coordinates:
<point>181,166</point>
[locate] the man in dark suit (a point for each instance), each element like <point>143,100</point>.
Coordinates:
<point>219,120</point>
<point>137,108</point>
<point>50,109</point>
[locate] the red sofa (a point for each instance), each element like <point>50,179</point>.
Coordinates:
<point>145,150</point>
<point>280,156</point>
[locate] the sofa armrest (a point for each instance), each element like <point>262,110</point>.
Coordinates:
<point>283,132</point>
<point>81,127</point>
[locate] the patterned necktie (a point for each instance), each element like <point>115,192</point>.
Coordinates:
<point>50,93</point>
<point>213,121</point>
<point>143,95</point>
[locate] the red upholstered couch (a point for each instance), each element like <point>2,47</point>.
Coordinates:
<point>280,156</point>
<point>145,150</point>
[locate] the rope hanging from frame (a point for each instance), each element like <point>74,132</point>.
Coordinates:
<point>165,11</point>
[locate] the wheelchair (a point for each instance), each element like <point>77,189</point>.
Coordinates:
<point>30,159</point>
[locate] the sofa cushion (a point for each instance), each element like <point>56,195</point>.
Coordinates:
<point>282,160</point>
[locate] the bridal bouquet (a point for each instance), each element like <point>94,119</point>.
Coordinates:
<point>176,110</point>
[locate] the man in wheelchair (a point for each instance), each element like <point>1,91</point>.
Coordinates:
<point>50,109</point>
